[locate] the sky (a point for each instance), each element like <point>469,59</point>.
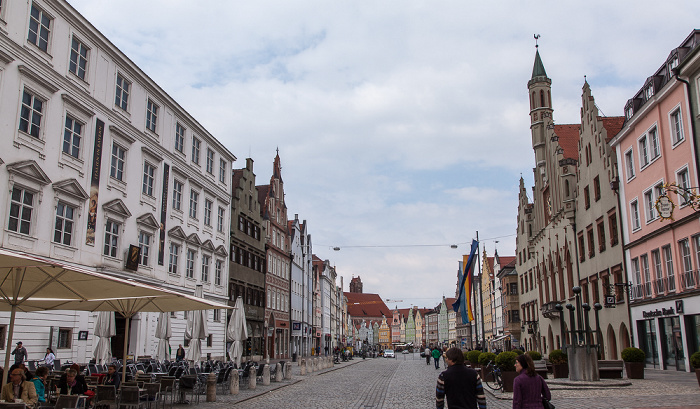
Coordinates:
<point>402,126</point>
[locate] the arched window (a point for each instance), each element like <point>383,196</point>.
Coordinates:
<point>542,103</point>
<point>566,188</point>
<point>549,98</point>
<point>532,100</point>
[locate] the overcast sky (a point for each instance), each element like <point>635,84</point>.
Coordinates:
<point>402,126</point>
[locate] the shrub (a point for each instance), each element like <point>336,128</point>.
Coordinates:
<point>558,356</point>
<point>506,361</point>
<point>695,360</point>
<point>633,354</point>
<point>486,357</point>
<point>472,356</point>
<point>536,356</point>
<point>519,352</point>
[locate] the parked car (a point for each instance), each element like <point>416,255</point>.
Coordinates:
<point>405,351</point>
<point>389,353</point>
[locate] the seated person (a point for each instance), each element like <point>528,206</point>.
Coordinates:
<point>112,378</point>
<point>19,388</point>
<point>72,384</point>
<point>39,381</point>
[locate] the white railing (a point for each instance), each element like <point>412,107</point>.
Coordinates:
<point>660,285</point>
<point>690,279</point>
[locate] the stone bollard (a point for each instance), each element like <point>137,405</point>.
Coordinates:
<point>288,370</point>
<point>266,374</point>
<point>310,365</point>
<point>234,387</point>
<point>211,387</point>
<point>251,378</point>
<point>302,366</point>
<point>278,373</point>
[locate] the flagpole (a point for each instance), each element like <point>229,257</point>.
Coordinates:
<point>481,299</point>
<point>476,324</point>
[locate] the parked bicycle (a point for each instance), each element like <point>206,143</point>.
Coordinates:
<point>493,377</point>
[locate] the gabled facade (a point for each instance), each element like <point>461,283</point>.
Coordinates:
<point>300,291</point>
<point>487,297</point>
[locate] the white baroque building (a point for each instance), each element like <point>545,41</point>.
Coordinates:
<point>96,158</point>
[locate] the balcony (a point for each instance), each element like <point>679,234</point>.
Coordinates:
<point>548,310</point>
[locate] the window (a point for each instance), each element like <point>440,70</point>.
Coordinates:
<point>217,315</point>
<point>218,267</point>
<point>210,340</point>
<point>65,336</point>
<point>31,114</point>
<point>78,58</point>
<point>220,220</point>
<point>581,248</point>
<point>63,230</point>
<point>205,268</point>
<point>684,246</point>
<point>222,170</point>
<point>601,236</point>
<point>668,260</point>
<point>21,209</point>
<point>658,272</point>
<point>596,188</point>
<point>121,98</point>
<point>634,214</point>
<point>207,212</point>
<point>172,259</point>
<point>145,246</point>
<point>189,272</point>
<point>677,126</point>
<point>646,274</point>
<point>635,270</point>
<point>194,197</point>
<point>151,115</point>
<point>591,243</point>
<point>654,141</point>
<point>111,238</point>
<point>179,138</point>
<point>117,168</point>
<point>177,195</point>
<point>210,161</point>
<point>586,197</point>
<point>683,182</point>
<point>71,136</point>
<point>39,28</point>
<point>696,244</point>
<point>649,206</point>
<point>629,164</point>
<point>196,145</point>
<point>148,178</point>
<point>643,152</point>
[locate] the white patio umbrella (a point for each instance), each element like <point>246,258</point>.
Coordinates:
<point>237,332</point>
<point>32,283</point>
<point>105,328</point>
<point>163,333</point>
<point>196,330</point>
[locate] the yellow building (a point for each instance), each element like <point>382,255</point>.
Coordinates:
<point>486,290</point>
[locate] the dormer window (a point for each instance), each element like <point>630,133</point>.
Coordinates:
<point>649,91</point>
<point>674,62</point>
<point>629,112</point>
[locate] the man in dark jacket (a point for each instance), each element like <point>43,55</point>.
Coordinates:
<point>462,385</point>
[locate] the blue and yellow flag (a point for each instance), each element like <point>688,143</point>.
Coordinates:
<point>464,299</point>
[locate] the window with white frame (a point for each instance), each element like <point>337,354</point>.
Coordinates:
<point>151,115</point>
<point>196,145</point>
<point>206,260</point>
<point>634,215</point>
<point>117,164</point>
<point>207,212</point>
<point>121,98</point>
<point>72,135</point>
<point>111,238</point>
<point>78,58</point>
<point>643,151</point>
<point>194,198</point>
<point>39,28</point>
<point>179,138</point>
<point>222,170</point>
<point>149,172</point>
<point>189,270</point>
<point>220,220</point>
<point>658,271</point>
<point>684,246</point>
<point>668,260</point>
<point>677,126</point>
<point>31,114</point>
<point>63,228</point>
<point>173,257</point>
<point>145,246</point>
<point>655,147</point>
<point>696,244</point>
<point>650,206</point>
<point>629,164</point>
<point>177,194</point>
<point>21,210</point>
<point>210,161</point>
<point>683,181</point>
<point>218,268</point>
<point>644,259</point>
<point>217,315</point>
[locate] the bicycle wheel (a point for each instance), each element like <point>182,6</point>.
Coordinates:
<point>494,381</point>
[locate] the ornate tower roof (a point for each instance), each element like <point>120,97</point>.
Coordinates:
<point>538,67</point>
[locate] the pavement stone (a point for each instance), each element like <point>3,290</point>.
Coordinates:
<point>407,382</point>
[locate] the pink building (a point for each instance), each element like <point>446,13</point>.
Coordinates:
<point>656,147</point>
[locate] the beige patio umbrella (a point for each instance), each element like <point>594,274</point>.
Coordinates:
<point>196,331</point>
<point>237,332</point>
<point>33,283</point>
<point>105,328</point>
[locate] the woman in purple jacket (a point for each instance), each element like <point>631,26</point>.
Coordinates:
<point>528,388</point>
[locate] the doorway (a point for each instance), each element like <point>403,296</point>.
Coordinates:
<point>672,343</point>
<point>118,339</point>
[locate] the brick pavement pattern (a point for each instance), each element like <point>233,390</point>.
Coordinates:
<point>407,382</point>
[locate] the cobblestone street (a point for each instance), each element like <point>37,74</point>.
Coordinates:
<point>407,382</point>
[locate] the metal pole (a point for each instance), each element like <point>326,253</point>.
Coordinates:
<point>126,345</point>
<point>481,298</point>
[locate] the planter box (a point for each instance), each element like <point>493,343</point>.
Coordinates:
<point>560,370</point>
<point>508,378</point>
<point>486,373</point>
<point>697,375</point>
<point>635,370</point>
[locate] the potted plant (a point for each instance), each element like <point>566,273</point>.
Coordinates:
<point>634,362</point>
<point>518,351</point>
<point>560,363</point>
<point>536,356</point>
<point>505,361</point>
<point>473,358</point>
<point>484,359</point>
<point>695,362</point>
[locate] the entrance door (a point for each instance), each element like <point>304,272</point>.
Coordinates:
<point>118,339</point>
<point>678,344</point>
<point>672,344</point>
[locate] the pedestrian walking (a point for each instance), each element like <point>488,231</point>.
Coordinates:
<point>529,389</point>
<point>427,355</point>
<point>49,357</point>
<point>180,354</point>
<point>460,384</point>
<point>20,353</point>
<point>436,357</point>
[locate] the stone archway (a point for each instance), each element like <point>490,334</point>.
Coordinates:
<point>612,343</point>
<point>624,336</point>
